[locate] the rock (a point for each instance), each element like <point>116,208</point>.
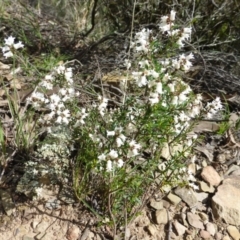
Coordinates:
<point>161,216</point>
<point>156,205</point>
<point>235,173</point>
<point>226,238</point>
<point>34,223</point>
<point>179,228</point>
<point>218,236</point>
<point>205,187</point>
<point>52,204</point>
<point>204,234</point>
<point>166,204</point>
<point>201,196</point>
<point>85,234</point>
<point>183,217</point>
<point>225,203</point>
<point>174,199</point>
<point>233,232</point>
<point>232,169</point>
<point>194,220</point>
<point>192,168</point>
<point>211,228</point>
<point>152,229</point>
<point>73,233</point>
<point>6,202</point>
<point>42,227</point>
<point>187,195</point>
<point>210,175</point>
<point>203,216</point>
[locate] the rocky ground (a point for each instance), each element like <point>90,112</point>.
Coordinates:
<point>211,211</point>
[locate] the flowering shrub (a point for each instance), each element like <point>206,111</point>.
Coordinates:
<point>122,151</point>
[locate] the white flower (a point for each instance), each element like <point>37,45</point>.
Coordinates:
<point>110,133</point>
<point>120,140</point>
<point>143,63</point>
<point>60,69</point>
<point>113,154</point>
<point>8,54</point>
<point>172,15</point>
<point>159,88</point>
<point>133,148</point>
<point>55,98</point>
<point>18,45</point>
<point>109,166</point>
<point>120,163</point>
<point>102,157</point>
<point>9,41</point>
<point>127,63</point>
<point>154,98</point>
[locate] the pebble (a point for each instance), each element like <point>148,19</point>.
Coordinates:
<point>194,220</point>
<point>233,232</point>
<point>156,204</point>
<point>204,234</point>
<point>73,233</point>
<point>211,228</point>
<point>174,199</point>
<point>161,216</point>
<point>225,203</point>
<point>210,175</point>
<point>187,195</point>
<point>179,228</point>
<point>206,187</point>
<point>218,236</point>
<point>152,229</point>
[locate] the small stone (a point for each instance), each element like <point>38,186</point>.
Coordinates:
<point>179,228</point>
<point>204,234</point>
<point>161,216</point>
<point>194,220</point>
<point>225,203</point>
<point>235,173</point>
<point>218,236</point>
<point>206,187</point>
<point>201,196</point>
<point>183,217</point>
<point>211,228</point>
<point>221,158</point>
<point>34,223</point>
<point>73,233</point>
<point>187,195</point>
<point>232,169</point>
<point>226,238</point>
<point>204,163</point>
<point>233,232</point>
<point>52,204</point>
<point>192,168</point>
<point>203,216</point>
<point>156,205</point>
<point>174,199</point>
<point>166,204</point>
<point>210,175</point>
<point>152,229</point>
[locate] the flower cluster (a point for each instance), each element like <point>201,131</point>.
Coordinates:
<point>60,79</point>
<point>213,107</point>
<point>167,26</point>
<point>10,46</point>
